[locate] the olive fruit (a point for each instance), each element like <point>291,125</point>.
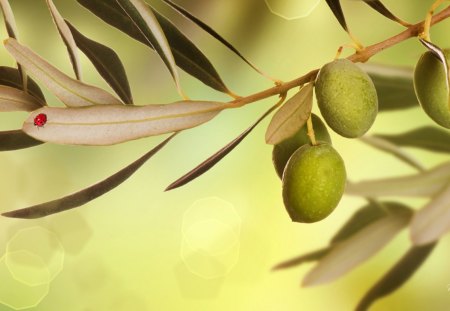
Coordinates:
<point>313,182</point>
<point>431,89</point>
<point>346,98</point>
<point>283,151</point>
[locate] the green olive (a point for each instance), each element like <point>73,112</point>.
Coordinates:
<point>346,98</point>
<point>313,182</point>
<point>431,88</point>
<point>283,151</point>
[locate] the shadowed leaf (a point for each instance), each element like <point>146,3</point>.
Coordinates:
<point>88,194</point>
<point>71,92</point>
<point>145,20</point>
<point>336,8</point>
<point>291,116</point>
<point>394,85</point>
<point>16,139</point>
<point>67,37</point>
<point>425,184</point>
<point>386,146</point>
<point>187,56</point>
<point>433,220</point>
<point>312,256</point>
<point>348,254</point>
<point>12,99</point>
<point>112,124</point>
<point>397,275</point>
<point>428,137</point>
<point>216,157</point>
<point>11,77</point>
<point>106,62</point>
<point>380,8</point>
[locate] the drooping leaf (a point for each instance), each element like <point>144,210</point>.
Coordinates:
<point>106,62</point>
<point>380,8</point>
<point>395,88</point>
<point>216,157</point>
<point>88,194</point>
<point>145,20</point>
<point>291,116</point>
<point>71,92</point>
<point>213,33</point>
<point>425,184</point>
<point>11,77</point>
<point>433,220</point>
<point>392,149</point>
<point>187,56</point>
<point>397,275</point>
<point>336,8</point>
<point>11,28</point>
<point>112,124</point>
<point>67,37</point>
<point>312,256</point>
<point>439,53</point>
<point>353,251</point>
<point>16,139</point>
<point>12,99</point>
<point>427,137</point>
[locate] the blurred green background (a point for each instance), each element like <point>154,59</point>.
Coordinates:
<point>211,244</point>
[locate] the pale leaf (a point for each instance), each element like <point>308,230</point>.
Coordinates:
<point>12,99</point>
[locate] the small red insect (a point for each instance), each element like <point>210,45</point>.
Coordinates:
<point>40,120</point>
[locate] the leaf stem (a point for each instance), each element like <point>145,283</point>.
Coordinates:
<point>427,23</point>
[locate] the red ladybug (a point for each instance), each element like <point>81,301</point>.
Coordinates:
<point>40,120</point>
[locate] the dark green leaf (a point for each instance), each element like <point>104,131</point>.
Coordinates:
<point>11,77</point>
<point>397,275</point>
<point>88,194</point>
<point>312,256</point>
<point>395,88</point>
<point>16,139</point>
<point>380,8</point>
<point>106,62</point>
<point>428,137</point>
<point>187,56</point>
<point>336,8</point>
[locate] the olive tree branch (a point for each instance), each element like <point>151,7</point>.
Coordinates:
<point>358,57</point>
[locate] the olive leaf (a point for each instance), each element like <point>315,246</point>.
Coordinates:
<point>424,184</point>
<point>11,77</point>
<point>187,56</point>
<point>394,85</point>
<point>291,116</point>
<point>12,99</point>
<point>304,258</point>
<point>336,8</point>
<point>71,92</point>
<point>427,137</point>
<point>67,37</point>
<point>112,124</point>
<point>88,194</point>
<point>11,29</point>
<point>392,149</point>
<point>380,8</point>
<point>107,63</point>
<point>16,139</point>
<point>353,251</point>
<point>216,157</point>
<point>433,220</point>
<point>145,20</point>
<point>397,275</point>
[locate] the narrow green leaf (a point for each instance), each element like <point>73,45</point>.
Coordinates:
<point>67,37</point>
<point>11,28</point>
<point>291,116</point>
<point>145,20</point>
<point>106,62</point>
<point>397,275</point>
<point>347,255</point>
<point>427,137</point>
<point>216,157</point>
<point>71,92</point>
<point>112,124</point>
<point>187,56</point>
<point>11,77</point>
<point>425,184</point>
<point>386,146</point>
<point>16,139</point>
<point>433,220</point>
<point>312,256</point>
<point>380,8</point>
<point>336,8</point>
<point>12,99</point>
<point>88,194</point>
<point>395,87</point>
